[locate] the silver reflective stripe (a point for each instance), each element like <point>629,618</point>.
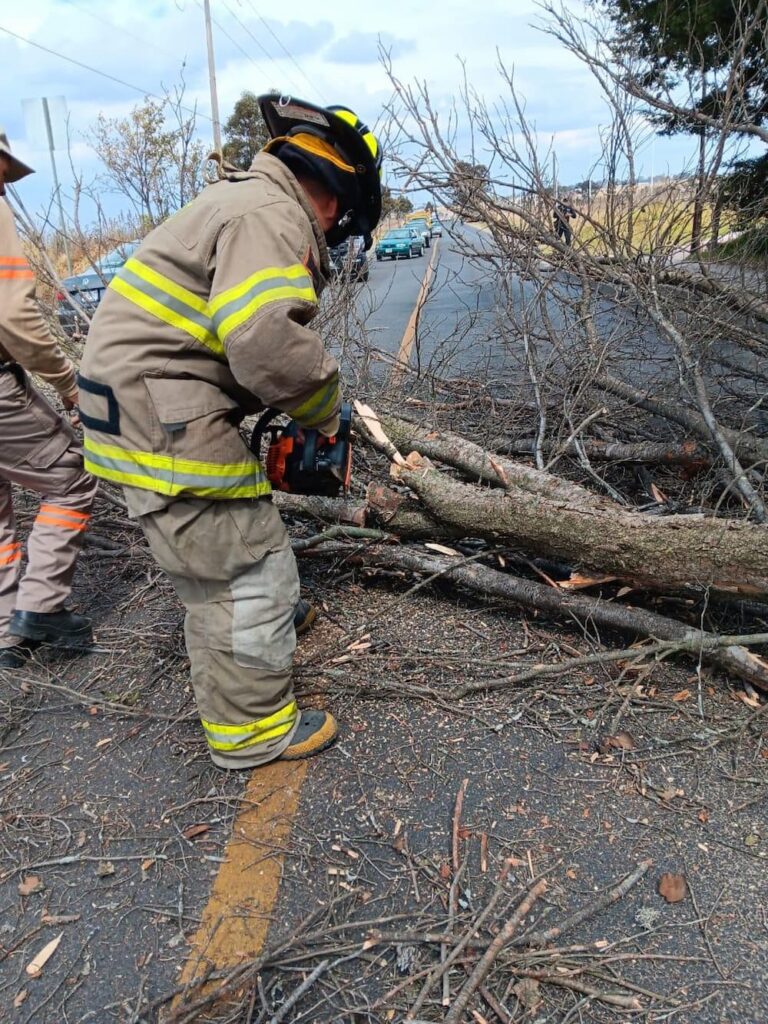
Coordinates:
<point>169,301</point>
<point>173,476</point>
<point>268,285</point>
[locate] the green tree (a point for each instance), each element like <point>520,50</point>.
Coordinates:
<point>713,50</point>
<point>245,132</point>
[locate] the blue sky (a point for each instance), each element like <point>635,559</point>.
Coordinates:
<point>148,44</point>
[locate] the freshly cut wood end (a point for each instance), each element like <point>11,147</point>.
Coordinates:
<point>373,425</point>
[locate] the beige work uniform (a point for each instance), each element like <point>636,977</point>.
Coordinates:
<point>207,322</point>
<point>38,448</point>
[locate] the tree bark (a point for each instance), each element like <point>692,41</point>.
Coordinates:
<point>549,517</point>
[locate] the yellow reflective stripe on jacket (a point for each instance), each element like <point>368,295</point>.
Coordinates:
<point>233,307</point>
<point>319,406</point>
<point>163,298</point>
<point>236,737</point>
<point>172,476</point>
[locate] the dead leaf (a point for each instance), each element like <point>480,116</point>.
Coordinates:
<point>527,992</point>
<point>703,815</point>
<point>571,873</point>
<point>673,887</point>
<point>620,741</point>
<point>681,695</point>
<point>623,591</point>
<point>192,831</point>
<point>445,871</point>
<point>17,1002</point>
<point>147,864</point>
<point>35,966</point>
<point>658,495</point>
<point>105,868</point>
<point>752,839</point>
<point>30,884</point>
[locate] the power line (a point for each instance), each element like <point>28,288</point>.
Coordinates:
<point>286,51</point>
<point>258,42</point>
<point>123,31</point>
<point>97,71</point>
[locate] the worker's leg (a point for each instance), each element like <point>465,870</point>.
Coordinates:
<point>40,451</point>
<point>233,568</point>
<point>10,564</point>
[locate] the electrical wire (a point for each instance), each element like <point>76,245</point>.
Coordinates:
<point>97,71</point>
<point>260,45</point>
<point>288,53</point>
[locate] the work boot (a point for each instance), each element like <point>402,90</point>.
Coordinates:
<point>304,617</point>
<point>316,731</point>
<point>62,628</point>
<point>16,656</point>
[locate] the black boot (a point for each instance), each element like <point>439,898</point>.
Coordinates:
<point>62,628</point>
<point>17,656</point>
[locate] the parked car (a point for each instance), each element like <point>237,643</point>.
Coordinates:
<point>87,289</point>
<point>422,227</point>
<point>349,260</point>
<point>400,242</point>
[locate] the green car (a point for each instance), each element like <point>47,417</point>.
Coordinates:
<point>400,242</point>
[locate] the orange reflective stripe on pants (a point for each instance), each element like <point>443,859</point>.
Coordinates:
<point>65,518</point>
<point>10,553</point>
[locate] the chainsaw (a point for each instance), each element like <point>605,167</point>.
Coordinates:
<point>302,460</point>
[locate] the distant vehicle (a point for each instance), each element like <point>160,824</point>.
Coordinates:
<point>88,288</point>
<point>437,227</point>
<point>422,227</point>
<point>349,260</point>
<point>400,242</point>
<point>420,215</point>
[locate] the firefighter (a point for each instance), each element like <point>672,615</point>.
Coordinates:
<point>209,322</point>
<point>40,451</point>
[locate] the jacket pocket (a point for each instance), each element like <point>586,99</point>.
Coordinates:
<point>193,419</point>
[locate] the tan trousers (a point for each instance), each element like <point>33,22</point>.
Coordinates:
<point>232,566</point>
<point>40,451</point>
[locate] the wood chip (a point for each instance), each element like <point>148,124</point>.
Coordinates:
<point>681,695</point>
<point>35,966</point>
<point>193,831</point>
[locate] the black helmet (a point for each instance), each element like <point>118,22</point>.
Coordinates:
<point>332,144</point>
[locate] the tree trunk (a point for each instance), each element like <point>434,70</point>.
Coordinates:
<point>544,518</point>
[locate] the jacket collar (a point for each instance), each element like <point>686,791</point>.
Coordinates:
<point>268,166</point>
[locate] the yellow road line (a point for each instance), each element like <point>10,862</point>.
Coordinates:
<point>409,335</point>
<point>238,914</point>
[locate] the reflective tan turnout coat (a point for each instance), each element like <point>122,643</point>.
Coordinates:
<point>207,322</point>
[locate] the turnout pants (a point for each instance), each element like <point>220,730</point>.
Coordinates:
<point>40,451</point>
<point>233,569</point>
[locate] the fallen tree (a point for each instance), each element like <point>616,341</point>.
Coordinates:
<point>548,516</point>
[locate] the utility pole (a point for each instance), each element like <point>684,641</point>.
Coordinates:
<point>212,77</point>
<point>57,187</point>
<point>554,174</point>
